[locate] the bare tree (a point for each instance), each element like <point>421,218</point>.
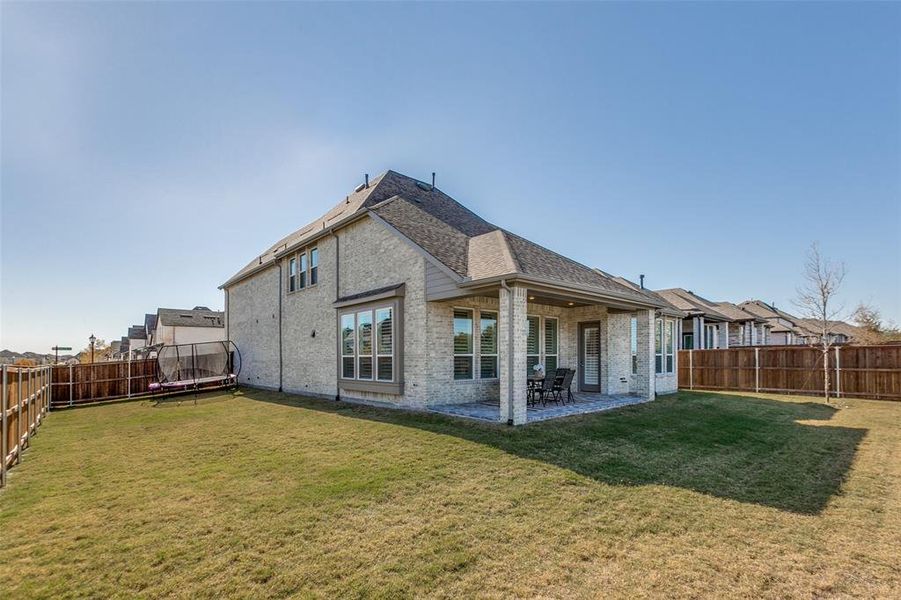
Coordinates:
<point>817,301</point>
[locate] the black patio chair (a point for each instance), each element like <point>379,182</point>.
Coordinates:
<point>546,391</point>
<point>563,384</point>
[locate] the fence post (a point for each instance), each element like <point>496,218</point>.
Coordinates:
<point>838,374</point>
<point>19,419</point>
<point>4,433</point>
<point>71,385</point>
<point>128,378</point>
<point>757,370</point>
<point>691,370</point>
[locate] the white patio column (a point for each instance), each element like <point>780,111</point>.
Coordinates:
<point>702,344</point>
<point>696,333</point>
<point>724,335</point>
<point>512,354</point>
<point>644,378</point>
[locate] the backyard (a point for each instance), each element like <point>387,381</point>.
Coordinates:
<point>265,494</point>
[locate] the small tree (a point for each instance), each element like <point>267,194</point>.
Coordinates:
<point>817,301</point>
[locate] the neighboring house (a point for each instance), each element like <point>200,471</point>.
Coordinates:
<point>705,326</point>
<point>839,332</point>
<point>123,348</point>
<point>150,320</point>
<point>745,329</point>
<point>401,295</point>
<point>188,326</point>
<point>137,338</point>
<point>784,328</point>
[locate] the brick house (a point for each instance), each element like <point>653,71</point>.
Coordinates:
<point>400,295</point>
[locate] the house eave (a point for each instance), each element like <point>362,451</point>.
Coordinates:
<point>579,292</point>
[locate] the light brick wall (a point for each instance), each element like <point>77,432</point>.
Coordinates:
<point>619,353</point>
<point>645,384</point>
<point>253,327</point>
<point>513,306</point>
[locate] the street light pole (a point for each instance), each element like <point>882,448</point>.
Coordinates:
<point>92,339</point>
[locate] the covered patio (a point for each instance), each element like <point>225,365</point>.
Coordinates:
<point>583,403</point>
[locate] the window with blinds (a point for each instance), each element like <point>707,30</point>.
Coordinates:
<point>368,344</point>
<point>488,345</point>
<point>551,344</point>
<point>463,346</point>
<point>633,334</point>
<point>533,347</point>
<point>658,346</point>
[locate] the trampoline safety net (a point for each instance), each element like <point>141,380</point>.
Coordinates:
<point>186,364</point>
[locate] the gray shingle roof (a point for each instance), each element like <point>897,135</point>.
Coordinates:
<point>736,313</point>
<point>179,317</point>
<point>455,236</point>
<point>692,303</point>
<point>136,332</point>
<point>149,322</point>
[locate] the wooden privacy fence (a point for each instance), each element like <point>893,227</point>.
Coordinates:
<point>75,385</point>
<point>854,371</point>
<point>24,400</point>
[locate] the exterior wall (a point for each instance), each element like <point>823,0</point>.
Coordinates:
<point>371,256</point>
<point>309,328</point>
<point>169,334</point>
<point>253,326</point>
<point>619,353</point>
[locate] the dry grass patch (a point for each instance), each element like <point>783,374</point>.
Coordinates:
<point>265,494</point>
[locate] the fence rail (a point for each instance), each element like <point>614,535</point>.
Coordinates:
<point>24,401</point>
<point>74,385</point>
<point>854,371</point>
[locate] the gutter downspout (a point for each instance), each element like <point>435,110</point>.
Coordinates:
<point>510,330</point>
<point>337,295</point>
<point>280,366</point>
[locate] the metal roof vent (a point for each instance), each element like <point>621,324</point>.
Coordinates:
<point>424,186</point>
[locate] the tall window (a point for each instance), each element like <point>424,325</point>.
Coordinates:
<point>533,347</point>
<point>710,337</point>
<point>302,282</point>
<point>658,346</point>
<point>633,336</point>
<point>384,327</point>
<point>292,274</point>
<point>551,344</point>
<point>669,345</point>
<point>314,266</point>
<point>488,345</point>
<point>348,346</point>
<point>364,344</point>
<point>368,344</point>
<point>463,346</point>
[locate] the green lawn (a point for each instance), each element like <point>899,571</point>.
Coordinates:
<point>264,494</point>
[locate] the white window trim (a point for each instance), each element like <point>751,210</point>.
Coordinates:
<point>353,354</point>
<point>471,355</point>
<point>360,355</point>
<point>375,342</point>
<point>543,347</point>
<point>669,325</point>
<point>495,354</point>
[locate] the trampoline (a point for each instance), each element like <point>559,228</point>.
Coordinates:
<point>184,367</point>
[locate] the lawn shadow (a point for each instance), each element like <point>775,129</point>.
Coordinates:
<point>783,455</point>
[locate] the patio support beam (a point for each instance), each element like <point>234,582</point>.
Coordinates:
<point>512,354</point>
<point>644,378</point>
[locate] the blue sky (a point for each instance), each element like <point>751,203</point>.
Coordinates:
<point>150,150</point>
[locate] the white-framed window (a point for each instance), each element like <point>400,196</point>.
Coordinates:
<point>384,343</point>
<point>664,345</point>
<point>463,346</point>
<point>487,345</point>
<point>292,274</point>
<point>368,348</point>
<point>669,345</point>
<point>314,266</point>
<point>741,334</point>
<point>348,346</point>
<point>551,344</point>
<point>710,338</point>
<point>633,343</point>
<point>364,344</point>
<point>533,342</point>
<point>658,345</point>
<point>302,279</point>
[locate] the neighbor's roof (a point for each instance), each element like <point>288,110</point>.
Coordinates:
<point>470,247</point>
<point>692,303</point>
<point>667,306</point>
<point>136,332</point>
<point>767,311</point>
<point>150,322</point>
<point>737,313</point>
<point>183,317</point>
